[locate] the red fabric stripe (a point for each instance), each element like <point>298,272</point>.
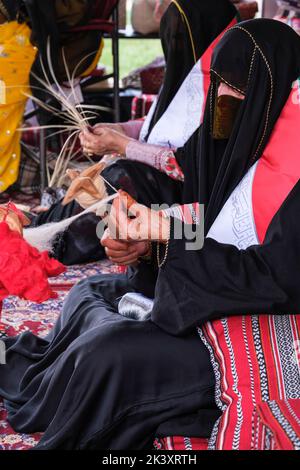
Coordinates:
<point>182,443</point>
<point>268,421</point>
<point>278,168</point>
<point>291,409</point>
<point>268,351</point>
<point>280,391</point>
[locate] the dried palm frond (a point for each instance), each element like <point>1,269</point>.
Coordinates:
<point>76,117</point>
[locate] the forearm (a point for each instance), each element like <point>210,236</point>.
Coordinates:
<point>161,158</point>
<point>132,129</point>
<point>118,127</point>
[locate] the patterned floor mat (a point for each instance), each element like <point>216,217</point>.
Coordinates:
<point>19,316</point>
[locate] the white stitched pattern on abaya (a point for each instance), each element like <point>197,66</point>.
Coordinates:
<point>183,115</point>
<point>235,224</point>
<point>195,101</point>
<point>146,125</point>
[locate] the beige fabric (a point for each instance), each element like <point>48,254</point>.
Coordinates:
<point>146,15</point>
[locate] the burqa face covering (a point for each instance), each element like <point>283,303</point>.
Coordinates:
<point>225,113</point>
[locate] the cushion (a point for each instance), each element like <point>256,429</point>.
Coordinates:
<point>141,105</point>
<point>276,425</point>
<point>256,362</point>
<point>180,443</point>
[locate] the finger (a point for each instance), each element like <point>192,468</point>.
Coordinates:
<point>81,137</point>
<point>120,247</point>
<point>112,224</point>
<point>98,126</point>
<point>90,138</point>
<point>126,260</point>
<point>107,241</point>
<point>113,220</point>
<point>116,245</point>
<point>120,255</point>
<point>127,200</point>
<point>100,130</point>
<point>105,235</point>
<point>121,219</point>
<point>130,204</point>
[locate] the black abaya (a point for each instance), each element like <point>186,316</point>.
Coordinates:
<point>13,9</point>
<point>187,29</point>
<point>101,381</point>
<point>58,24</point>
<point>220,280</point>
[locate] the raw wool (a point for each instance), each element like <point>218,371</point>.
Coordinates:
<point>43,237</point>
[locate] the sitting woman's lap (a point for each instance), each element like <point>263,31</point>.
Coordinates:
<point>100,380</point>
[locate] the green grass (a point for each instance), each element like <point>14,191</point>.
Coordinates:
<point>134,53</point>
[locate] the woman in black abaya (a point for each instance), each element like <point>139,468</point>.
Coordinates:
<point>103,381</point>
<point>187,30</point>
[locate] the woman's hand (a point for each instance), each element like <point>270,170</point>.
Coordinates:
<point>103,140</point>
<point>130,221</point>
<point>121,252</point>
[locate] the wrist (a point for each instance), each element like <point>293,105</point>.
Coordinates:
<point>165,229</point>
<point>121,143</point>
<point>147,256</point>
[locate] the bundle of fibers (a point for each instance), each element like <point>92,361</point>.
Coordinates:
<point>43,237</point>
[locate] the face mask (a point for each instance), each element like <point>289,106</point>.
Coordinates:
<point>226,110</point>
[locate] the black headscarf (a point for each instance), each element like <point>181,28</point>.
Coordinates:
<point>61,22</point>
<point>54,20</point>
<point>12,9</point>
<point>187,28</point>
<point>260,58</point>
